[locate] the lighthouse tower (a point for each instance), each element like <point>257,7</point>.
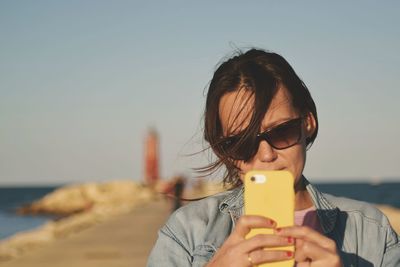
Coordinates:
<point>151,157</point>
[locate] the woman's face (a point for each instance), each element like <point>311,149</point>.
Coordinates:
<point>234,110</point>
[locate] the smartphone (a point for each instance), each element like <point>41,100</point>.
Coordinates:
<point>270,194</point>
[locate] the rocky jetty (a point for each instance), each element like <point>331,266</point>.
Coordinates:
<point>80,206</point>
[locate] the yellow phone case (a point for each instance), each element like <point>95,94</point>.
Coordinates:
<point>270,194</point>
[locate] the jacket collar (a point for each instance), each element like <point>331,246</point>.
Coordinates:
<point>327,213</point>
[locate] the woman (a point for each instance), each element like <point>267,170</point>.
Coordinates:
<point>260,115</point>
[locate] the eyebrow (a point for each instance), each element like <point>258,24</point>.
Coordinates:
<point>275,123</point>
<point>262,128</point>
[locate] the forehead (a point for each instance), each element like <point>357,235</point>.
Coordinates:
<point>236,108</point>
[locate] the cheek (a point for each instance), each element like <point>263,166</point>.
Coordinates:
<point>297,162</point>
<point>246,166</point>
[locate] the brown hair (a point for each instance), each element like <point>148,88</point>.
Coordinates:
<point>260,73</point>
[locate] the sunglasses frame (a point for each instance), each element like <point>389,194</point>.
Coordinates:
<point>266,137</point>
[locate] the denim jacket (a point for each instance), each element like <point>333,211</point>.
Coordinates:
<point>194,233</point>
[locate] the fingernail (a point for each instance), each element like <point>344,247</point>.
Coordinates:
<point>290,240</point>
<point>289,254</point>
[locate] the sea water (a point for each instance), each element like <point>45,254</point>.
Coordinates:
<point>13,197</point>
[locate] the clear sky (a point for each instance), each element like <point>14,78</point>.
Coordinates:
<point>81,82</point>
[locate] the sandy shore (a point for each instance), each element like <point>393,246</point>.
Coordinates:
<point>122,241</point>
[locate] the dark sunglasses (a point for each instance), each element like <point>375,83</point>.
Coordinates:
<point>280,137</point>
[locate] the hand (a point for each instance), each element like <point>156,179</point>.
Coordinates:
<point>312,248</point>
<point>236,250</point>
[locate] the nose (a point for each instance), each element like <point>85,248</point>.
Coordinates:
<point>266,153</point>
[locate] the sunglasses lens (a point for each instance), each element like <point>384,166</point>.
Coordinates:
<point>280,137</point>
<point>237,149</point>
<point>285,135</point>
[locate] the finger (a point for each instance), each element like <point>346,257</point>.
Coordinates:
<point>303,264</point>
<point>300,254</point>
<point>309,251</point>
<point>261,241</point>
<point>248,222</point>
<point>262,256</point>
<point>307,234</point>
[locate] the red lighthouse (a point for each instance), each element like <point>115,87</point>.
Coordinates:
<point>151,157</point>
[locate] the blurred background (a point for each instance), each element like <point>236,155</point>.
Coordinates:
<point>84,84</point>
<point>82,81</point>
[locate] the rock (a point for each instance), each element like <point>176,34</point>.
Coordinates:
<point>85,204</point>
<point>78,198</point>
